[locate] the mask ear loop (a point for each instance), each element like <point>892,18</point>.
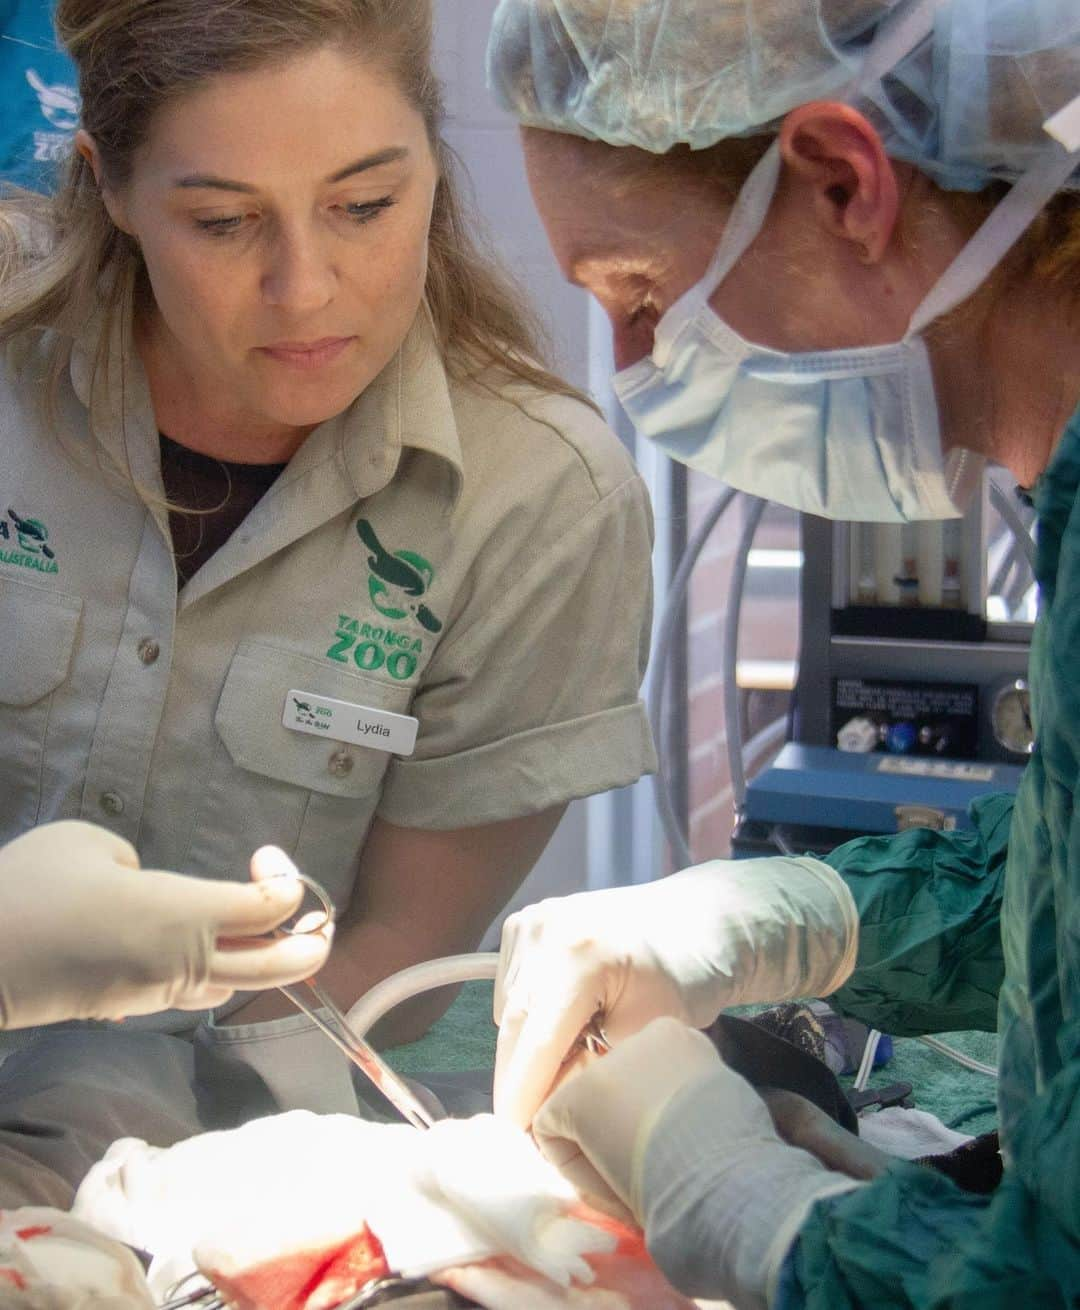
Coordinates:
<point>746,221</point>
<point>747,218</point>
<point>897,36</point>
<point>998,233</point>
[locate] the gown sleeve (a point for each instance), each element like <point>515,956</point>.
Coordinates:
<point>912,1240</point>
<point>930,955</point>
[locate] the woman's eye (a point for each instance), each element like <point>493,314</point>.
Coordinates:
<point>359,213</point>
<point>364,212</point>
<point>219,227</point>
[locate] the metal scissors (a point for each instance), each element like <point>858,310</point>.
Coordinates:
<point>310,999</point>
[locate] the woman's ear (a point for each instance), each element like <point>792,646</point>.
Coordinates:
<point>835,151</point>
<point>87,147</point>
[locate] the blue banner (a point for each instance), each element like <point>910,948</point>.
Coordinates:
<point>39,104</point>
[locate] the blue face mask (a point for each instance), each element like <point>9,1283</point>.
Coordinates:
<point>846,434</point>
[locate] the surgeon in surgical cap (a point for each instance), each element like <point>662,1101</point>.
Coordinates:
<point>839,245</point>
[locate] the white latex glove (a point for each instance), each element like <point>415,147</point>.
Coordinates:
<point>724,933</point>
<point>690,1148</point>
<point>85,933</point>
<point>623,1282</point>
<point>50,1261</point>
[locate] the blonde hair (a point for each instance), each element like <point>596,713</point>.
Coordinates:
<point>134,57</point>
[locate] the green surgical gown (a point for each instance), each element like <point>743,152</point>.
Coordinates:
<point>957,928</point>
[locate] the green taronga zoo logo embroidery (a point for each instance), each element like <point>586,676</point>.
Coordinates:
<point>397,581</point>
<point>32,537</point>
<point>396,584</point>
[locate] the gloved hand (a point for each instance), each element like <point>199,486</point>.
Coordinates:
<point>50,1261</point>
<point>665,1127</point>
<point>723,933</point>
<point>85,933</point>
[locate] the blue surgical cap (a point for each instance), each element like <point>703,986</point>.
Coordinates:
<point>966,105</point>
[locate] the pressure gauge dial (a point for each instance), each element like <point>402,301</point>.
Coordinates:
<point>1010,717</point>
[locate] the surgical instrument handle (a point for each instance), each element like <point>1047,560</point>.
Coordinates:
<point>364,1056</point>
<point>332,1023</point>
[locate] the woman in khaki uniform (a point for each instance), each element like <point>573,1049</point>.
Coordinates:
<point>299,544</point>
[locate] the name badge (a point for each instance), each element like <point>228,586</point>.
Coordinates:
<point>339,720</point>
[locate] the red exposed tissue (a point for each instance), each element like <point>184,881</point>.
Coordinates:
<point>322,1279</point>
<point>306,1280</point>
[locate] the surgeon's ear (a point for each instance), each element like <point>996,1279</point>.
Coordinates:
<point>834,149</point>
<point>87,147</point>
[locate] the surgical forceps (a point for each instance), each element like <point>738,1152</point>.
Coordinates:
<point>202,1296</point>
<point>377,1292</point>
<point>332,1023</point>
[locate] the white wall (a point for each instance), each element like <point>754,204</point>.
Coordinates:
<point>487,141</point>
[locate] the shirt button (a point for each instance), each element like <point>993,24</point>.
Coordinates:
<point>148,650</point>
<point>111,803</point>
<point>341,763</point>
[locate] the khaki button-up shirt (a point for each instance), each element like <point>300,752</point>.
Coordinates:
<point>476,558</point>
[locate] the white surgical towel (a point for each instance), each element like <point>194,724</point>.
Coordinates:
<point>50,1261</point>
<point>461,1192</point>
<point>909,1134</point>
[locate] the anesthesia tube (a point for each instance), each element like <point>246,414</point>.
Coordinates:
<point>414,981</point>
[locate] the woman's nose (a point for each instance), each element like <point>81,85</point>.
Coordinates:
<point>301,275</point>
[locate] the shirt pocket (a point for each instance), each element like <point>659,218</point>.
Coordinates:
<point>249,721</point>
<point>38,627</point>
<point>312,796</point>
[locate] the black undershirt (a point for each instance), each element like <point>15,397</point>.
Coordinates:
<point>224,491</point>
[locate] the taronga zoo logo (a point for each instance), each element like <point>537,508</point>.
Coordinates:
<point>397,581</point>
<point>397,584</point>
<point>59,105</point>
<point>32,536</point>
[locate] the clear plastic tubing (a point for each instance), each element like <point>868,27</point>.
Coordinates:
<point>417,979</point>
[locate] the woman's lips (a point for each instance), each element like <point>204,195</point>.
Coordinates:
<point>308,354</point>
